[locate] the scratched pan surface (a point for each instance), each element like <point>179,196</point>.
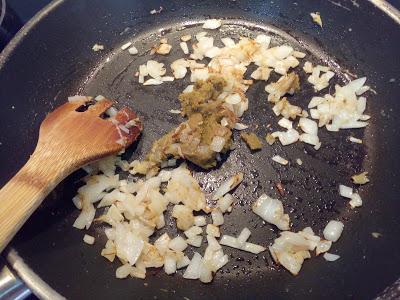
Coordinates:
<point>53,59</point>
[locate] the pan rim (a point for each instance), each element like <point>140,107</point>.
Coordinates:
<point>38,286</point>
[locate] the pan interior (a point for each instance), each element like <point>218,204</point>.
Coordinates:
<point>312,197</point>
<point>311,190</point>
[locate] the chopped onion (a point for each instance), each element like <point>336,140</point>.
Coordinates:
<point>186,38</point>
<point>200,221</point>
<point>88,239</point>
<point>280,160</point>
<point>231,241</point>
<point>177,244</point>
<point>285,123</point>
<point>97,47</point>
<point>184,47</point>
<point>169,264</point>
<point>345,191</point>
<point>195,240</point>
<point>193,231</point>
<point>212,24</point>
<point>360,178</point>
<point>123,271</point>
<point>331,257</point>
<point>163,49</point>
<point>225,203</point>
<point>286,138</point>
<point>355,140</point>
<point>153,81</point>
<point>355,201</point>
<point>228,42</point>
<point>162,243</point>
<point>243,237</point>
<point>194,268</point>
<point>213,230</point>
<point>228,185</point>
<point>128,245</point>
<point>271,210</point>
<point>217,217</point>
<point>308,126</point>
<point>323,246</point>
<point>333,230</point>
<point>183,262</point>
<point>240,126</point>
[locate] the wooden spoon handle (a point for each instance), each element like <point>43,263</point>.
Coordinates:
<point>26,190</point>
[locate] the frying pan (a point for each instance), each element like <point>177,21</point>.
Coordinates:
<point>51,59</point>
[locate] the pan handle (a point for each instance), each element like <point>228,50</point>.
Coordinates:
<point>10,286</point>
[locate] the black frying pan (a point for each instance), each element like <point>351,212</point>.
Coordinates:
<point>51,58</point>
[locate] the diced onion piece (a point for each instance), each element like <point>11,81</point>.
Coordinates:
<point>355,140</point>
<point>184,47</point>
<point>163,49</point>
<point>228,42</point>
<point>333,230</point>
<point>253,248</point>
<point>183,262</point>
<point>77,202</point>
<point>169,264</point>
<point>167,78</point>
<point>213,243</point>
<point>213,230</point>
<point>88,239</point>
<point>200,221</point>
<point>286,138</point>
<point>184,216</point>
<point>345,191</point>
<point>323,246</point>
<point>360,178</point>
<point>194,268</point>
<point>285,123</point>
<point>309,139</point>
<point>212,24</point>
<point>97,47</point>
<point>240,126</point>
<point>162,243</point>
<point>308,126</point>
<point>231,241</point>
<point>243,237</point>
<point>271,210</point>
<point>177,244</point>
<point>193,231</point>
<point>280,160</point>
<point>299,161</point>
<point>316,18</point>
<point>186,38</point>
<point>331,257</point>
<point>153,81</point>
<point>195,240</point>
<point>123,271</point>
<point>217,217</point>
<point>355,201</point>
<point>225,203</point>
<point>228,185</point>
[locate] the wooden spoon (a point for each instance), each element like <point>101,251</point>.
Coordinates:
<point>69,138</point>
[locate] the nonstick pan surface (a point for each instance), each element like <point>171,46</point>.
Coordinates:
<point>52,59</point>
